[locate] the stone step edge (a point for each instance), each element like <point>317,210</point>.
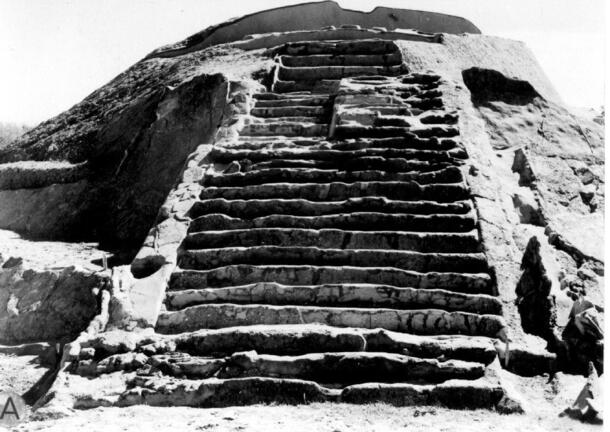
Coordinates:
<point>418,321</point>
<point>213,392</point>
<point>293,339</point>
<point>336,295</point>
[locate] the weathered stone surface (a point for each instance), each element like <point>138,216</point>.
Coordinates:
<point>349,368</point>
<point>364,221</point>
<point>424,321</point>
<point>46,305</point>
<point>218,393</point>
<point>117,362</point>
<point>279,175</point>
<point>32,175</point>
<point>335,238</point>
<point>422,262</point>
<point>358,295</point>
<point>308,275</point>
<point>301,207</point>
<point>455,394</point>
<point>51,212</point>
<point>181,364</point>
<point>588,405</point>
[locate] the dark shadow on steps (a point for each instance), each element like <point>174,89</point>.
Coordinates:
<point>488,85</point>
<point>45,382</point>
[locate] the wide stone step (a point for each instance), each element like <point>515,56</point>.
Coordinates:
<point>273,142</point>
<point>336,191</point>
<point>351,131</point>
<point>375,105</point>
<point>342,60</point>
<point>290,111</point>
<point>214,392</point>
<point>372,46</point>
<point>223,154</point>
<point>337,295</point>
<point>289,120</point>
<point>301,339</point>
<point>357,164</point>
<point>296,175</point>
<point>360,221</point>
<point>249,209</point>
<point>204,259</point>
<point>348,368</point>
<point>334,238</point>
<point>486,393</point>
<point>301,95</point>
<point>286,129</point>
<point>337,369</point>
<point>408,141</point>
<point>479,283</point>
<point>422,321</point>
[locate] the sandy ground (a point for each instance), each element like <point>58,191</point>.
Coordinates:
<point>20,373</point>
<point>543,401</point>
<point>49,254</point>
<point>315,417</point>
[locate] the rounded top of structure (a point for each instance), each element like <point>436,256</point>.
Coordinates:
<point>313,16</point>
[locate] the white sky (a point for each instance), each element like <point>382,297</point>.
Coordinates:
<point>56,52</point>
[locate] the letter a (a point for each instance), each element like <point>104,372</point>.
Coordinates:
<point>6,411</point>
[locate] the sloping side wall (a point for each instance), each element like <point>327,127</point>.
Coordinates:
<point>459,52</point>
<point>311,16</point>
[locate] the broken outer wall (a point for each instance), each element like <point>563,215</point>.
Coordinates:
<point>319,14</point>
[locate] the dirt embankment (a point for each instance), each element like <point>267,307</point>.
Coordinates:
<point>132,137</point>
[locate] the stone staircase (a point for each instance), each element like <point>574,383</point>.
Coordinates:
<point>334,255</point>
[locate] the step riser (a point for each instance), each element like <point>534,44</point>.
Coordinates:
<point>312,102</point>
<point>311,275</point>
<point>227,155</point>
<point>349,368</point>
<point>341,60</point>
<point>224,393</point>
<point>363,47</point>
<point>419,322</point>
<point>295,122</point>
<point>205,259</point>
<point>449,175</point>
<point>328,238</point>
<point>249,209</point>
<point>293,111</point>
<point>248,391</point>
<point>426,104</point>
<point>410,142</point>
<point>321,86</point>
<point>334,72</point>
<point>296,129</point>
<point>349,132</point>
<point>342,369</point>
<point>404,191</point>
<point>344,295</point>
<point>356,164</point>
<point>316,338</point>
<point>349,222</point>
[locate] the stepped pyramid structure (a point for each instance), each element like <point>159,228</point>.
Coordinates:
<point>346,210</point>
